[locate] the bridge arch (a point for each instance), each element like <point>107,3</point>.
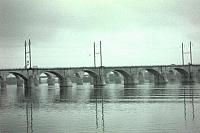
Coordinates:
<point>114,77</point>
<point>47,74</point>
<point>91,73</point>
<point>60,77</point>
<point>122,72</point>
<point>20,78</point>
<point>98,79</point>
<point>94,76</point>
<point>158,77</point>
<point>182,71</point>
<point>118,71</point>
<point>77,78</point>
<point>85,75</point>
<point>128,79</point>
<point>19,75</point>
<point>184,74</point>
<point>50,80</point>
<point>154,72</point>
<point>64,81</point>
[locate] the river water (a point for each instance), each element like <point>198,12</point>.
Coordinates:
<point>173,108</point>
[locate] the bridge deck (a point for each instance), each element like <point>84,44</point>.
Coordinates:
<point>68,68</point>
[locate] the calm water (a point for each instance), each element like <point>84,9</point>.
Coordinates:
<point>173,108</point>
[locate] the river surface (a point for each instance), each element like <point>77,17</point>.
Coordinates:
<point>146,108</point>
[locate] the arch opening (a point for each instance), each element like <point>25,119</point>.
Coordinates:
<point>54,76</point>
<point>154,72</point>
<point>114,77</point>
<point>184,75</point>
<point>120,76</point>
<point>158,77</point>
<point>48,78</point>
<point>91,73</point>
<point>77,78</point>
<point>149,77</point>
<point>182,71</point>
<point>14,78</point>
<point>90,77</point>
<point>19,75</point>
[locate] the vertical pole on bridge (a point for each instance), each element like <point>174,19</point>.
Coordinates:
<point>190,53</point>
<point>29,82</point>
<point>190,62</point>
<point>182,55</point>
<point>29,43</point>
<point>27,51</point>
<point>94,56</point>
<point>25,65</point>
<point>100,54</point>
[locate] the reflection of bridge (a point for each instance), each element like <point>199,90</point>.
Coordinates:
<point>132,74</point>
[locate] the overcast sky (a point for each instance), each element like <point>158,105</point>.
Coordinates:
<point>133,32</point>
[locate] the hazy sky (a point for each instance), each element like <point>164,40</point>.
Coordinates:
<point>133,32</point>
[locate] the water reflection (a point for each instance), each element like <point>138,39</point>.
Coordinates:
<point>98,95</point>
<point>3,97</point>
<point>20,94</point>
<point>192,97</point>
<point>51,94</point>
<point>66,94</point>
<point>189,98</point>
<point>29,117</point>
<point>102,108</point>
<point>88,109</point>
<point>3,92</point>
<point>159,85</point>
<point>185,114</point>
<point>96,111</point>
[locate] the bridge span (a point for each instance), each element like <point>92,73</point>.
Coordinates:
<point>132,75</point>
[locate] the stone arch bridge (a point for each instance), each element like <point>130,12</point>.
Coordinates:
<point>132,74</point>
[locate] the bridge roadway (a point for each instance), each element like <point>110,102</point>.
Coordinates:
<point>132,74</point>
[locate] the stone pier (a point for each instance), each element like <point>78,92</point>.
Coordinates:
<point>51,81</point>
<point>65,82</point>
<point>130,81</point>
